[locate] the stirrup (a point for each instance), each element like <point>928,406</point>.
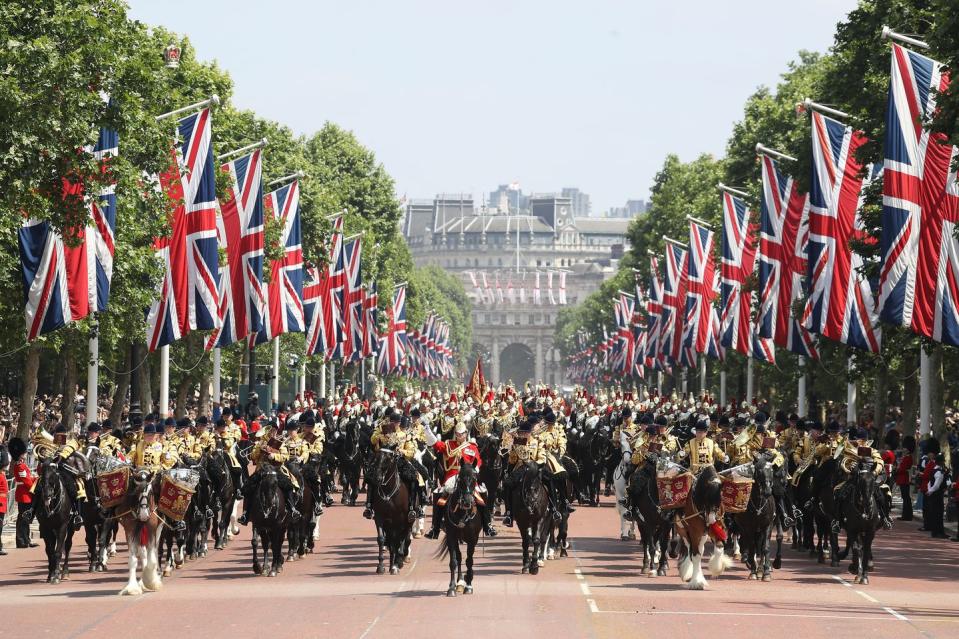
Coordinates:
<point>489,530</point>
<point>368,513</point>
<point>835,526</point>
<point>508,520</point>
<point>243,520</point>
<point>411,516</point>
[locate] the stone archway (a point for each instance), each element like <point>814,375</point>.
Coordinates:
<point>516,363</point>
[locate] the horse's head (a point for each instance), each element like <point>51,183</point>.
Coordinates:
<point>763,475</point>
<point>384,463</point>
<point>51,489</point>
<point>141,494</point>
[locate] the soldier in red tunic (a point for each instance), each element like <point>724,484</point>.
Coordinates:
<point>453,452</point>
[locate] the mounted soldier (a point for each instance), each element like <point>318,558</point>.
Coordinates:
<point>271,451</point>
<point>453,453</point>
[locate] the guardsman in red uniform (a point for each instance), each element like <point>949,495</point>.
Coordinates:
<point>25,480</point>
<point>4,493</point>
<point>453,452</point>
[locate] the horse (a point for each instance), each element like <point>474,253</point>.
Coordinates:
<point>491,470</point>
<point>862,519</point>
<point>198,514</point>
<point>349,458</point>
<point>695,525</point>
<point>805,530</point>
<point>222,495</point>
<point>755,524</point>
<point>627,528</point>
<point>142,527</point>
<point>300,536</point>
<point>54,514</point>
<point>826,510</point>
<point>654,524</point>
<point>594,448</point>
<point>463,525</point>
<point>98,532</point>
<point>269,516</point>
<point>529,506</point>
<point>391,506</point>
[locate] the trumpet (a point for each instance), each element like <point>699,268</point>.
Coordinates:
<point>745,436</point>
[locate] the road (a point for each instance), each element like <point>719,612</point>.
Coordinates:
<point>596,592</point>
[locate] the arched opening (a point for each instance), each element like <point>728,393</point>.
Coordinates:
<point>516,364</point>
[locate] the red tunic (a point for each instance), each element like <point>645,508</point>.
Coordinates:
<point>451,459</point>
<point>902,470</point>
<point>25,480</point>
<point>4,492</point>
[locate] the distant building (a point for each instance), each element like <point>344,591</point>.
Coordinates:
<point>513,333</point>
<point>579,201</point>
<point>509,198</point>
<point>632,209</point>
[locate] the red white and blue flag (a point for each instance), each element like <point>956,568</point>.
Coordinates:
<point>313,309</point>
<point>674,303</point>
<point>353,318</point>
<point>739,257</point>
<point>654,312</point>
<point>333,294</point>
<point>283,311</point>
<point>371,337</point>
<point>187,297</point>
<point>714,347</point>
<point>784,231</point>
<point>699,292</point>
<point>841,305</point>
<point>919,281</point>
<point>395,342</point>
<point>65,283</point>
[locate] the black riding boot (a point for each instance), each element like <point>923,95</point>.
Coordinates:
<point>413,491</point>
<point>76,518</point>
<point>247,491</point>
<point>488,521</point>
<point>439,514</point>
<point>564,495</point>
<point>553,494</point>
<point>291,500</point>
<point>508,502</point>
<point>882,503</point>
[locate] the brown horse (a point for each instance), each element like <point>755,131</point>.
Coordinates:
<point>391,506</point>
<point>142,527</point>
<point>698,523</point>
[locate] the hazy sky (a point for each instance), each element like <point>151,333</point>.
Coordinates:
<point>464,95</point>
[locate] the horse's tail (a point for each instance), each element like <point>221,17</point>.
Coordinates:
<point>443,550</point>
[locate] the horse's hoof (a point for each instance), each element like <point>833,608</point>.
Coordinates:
<point>624,537</point>
<point>380,570</point>
<point>273,573</point>
<point>853,569</point>
<point>651,574</point>
<point>834,563</point>
<point>460,587</point>
<point>632,535</point>
<point>91,568</point>
<point>767,577</point>
<point>134,591</point>
<point>167,571</point>
<point>451,592</point>
<point>55,581</point>
<point>524,571</point>
<point>777,563</point>
<point>418,535</point>
<point>752,576</point>
<point>563,553</point>
<point>864,581</point>
<point>661,572</point>
<point>856,579</point>
<point>395,570</point>
<point>737,556</point>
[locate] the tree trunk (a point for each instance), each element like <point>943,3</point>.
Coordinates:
<point>120,392</point>
<point>881,398</point>
<point>146,393</point>
<point>182,392</point>
<point>69,418</point>
<point>936,401</point>
<point>31,366</point>
<point>910,396</point>
<point>203,404</point>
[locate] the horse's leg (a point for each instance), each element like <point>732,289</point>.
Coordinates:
<point>257,566</point>
<point>151,567</point>
<point>67,545</point>
<point>526,534</point>
<point>698,581</point>
<point>103,543</point>
<point>133,550</point>
<point>834,548</point>
<point>534,562</point>
<point>866,556</point>
<point>277,567</point>
<point>778,562</point>
<point>685,560</point>
<point>381,541</point>
<point>764,545</point>
<point>90,537</point>
<point>663,534</point>
<point>452,549</point>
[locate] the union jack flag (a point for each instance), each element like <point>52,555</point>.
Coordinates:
<point>739,258</point>
<point>283,311</point>
<point>840,305</point>
<point>395,345</point>
<point>371,341</point>
<point>699,292</point>
<point>353,302</point>
<point>715,348</point>
<point>313,309</point>
<point>919,281</point>
<point>623,352</point>
<point>639,330</point>
<point>654,311</point>
<point>187,297</point>
<point>332,298</point>
<point>66,283</point>
<point>784,231</point>
<point>674,298</point>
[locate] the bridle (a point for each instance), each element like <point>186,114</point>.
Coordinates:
<point>393,480</point>
<point>48,506</point>
<point>463,499</point>
<point>763,491</point>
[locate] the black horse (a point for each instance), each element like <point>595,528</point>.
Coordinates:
<point>755,524</point>
<point>53,511</point>
<point>391,505</point>
<point>491,470</point>
<point>825,510</point>
<point>860,510</point>
<point>270,518</point>
<point>594,453</point>
<point>349,459</point>
<point>654,523</point>
<point>463,525</point>
<point>530,503</point>
<point>222,494</point>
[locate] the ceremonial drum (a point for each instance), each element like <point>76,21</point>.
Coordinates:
<point>176,489</point>
<point>674,490</point>
<point>112,479</point>
<point>735,493</point>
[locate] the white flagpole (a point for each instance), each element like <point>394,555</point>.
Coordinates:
<point>217,374</point>
<point>276,370</point>
<point>851,392</point>
<point>93,373</point>
<point>749,379</point>
<point>322,392</point>
<point>165,381</point>
<point>925,396</point>
<point>702,374</point>
<point>302,388</point>
<point>722,388</point>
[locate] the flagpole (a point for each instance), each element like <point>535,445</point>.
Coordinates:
<point>363,377</point>
<point>323,380</point>
<point>801,396</point>
<point>214,99</point>
<point>164,380</point>
<point>851,393</point>
<point>749,378</point>
<point>889,34</point>
<point>276,370</point>
<point>925,395</point>
<point>243,149</point>
<point>302,385</point>
<point>93,372</point>
<point>299,175</point>
<point>217,374</point>
<point>251,372</point>
<point>722,388</point>
<point>702,374</point>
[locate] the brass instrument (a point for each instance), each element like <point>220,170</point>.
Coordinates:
<point>742,438</point>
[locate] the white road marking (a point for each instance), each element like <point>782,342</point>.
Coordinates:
<point>592,606</point>
<point>867,597</point>
<point>895,614</point>
<point>697,613</point>
<point>870,598</point>
<point>585,588</point>
<point>368,628</point>
<point>842,581</point>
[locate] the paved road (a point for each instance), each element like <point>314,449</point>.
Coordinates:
<point>596,592</point>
